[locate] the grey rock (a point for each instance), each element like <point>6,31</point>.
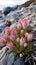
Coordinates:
<point>6,58</point>
<point>19,61</point>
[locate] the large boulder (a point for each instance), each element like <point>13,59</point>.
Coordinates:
<point>7,10</point>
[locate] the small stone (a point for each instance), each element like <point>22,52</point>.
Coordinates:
<point>21,55</point>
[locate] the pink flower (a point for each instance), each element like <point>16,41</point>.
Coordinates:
<point>25,44</point>
<point>19,25</point>
<point>26,34</point>
<point>30,36</point>
<point>7,29</point>
<point>13,25</point>
<point>13,33</point>
<point>1,40</point>
<point>21,20</point>
<point>9,44</point>
<point>24,21</point>
<point>22,40</point>
<point>12,36</point>
<point>4,36</point>
<point>18,39</point>
<point>22,31</point>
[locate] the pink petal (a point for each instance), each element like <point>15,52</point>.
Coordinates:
<point>1,40</point>
<point>4,36</point>
<point>31,35</point>
<point>8,44</point>
<point>24,21</point>
<point>22,40</point>
<point>25,44</point>
<point>7,29</point>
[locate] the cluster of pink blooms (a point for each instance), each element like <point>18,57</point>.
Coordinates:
<point>13,30</point>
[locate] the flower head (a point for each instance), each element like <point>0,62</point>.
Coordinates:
<point>26,34</point>
<point>19,25</point>
<point>30,36</point>
<point>24,22</point>
<point>25,44</point>
<point>13,25</point>
<point>22,31</point>
<point>9,44</point>
<point>7,29</point>
<point>1,40</point>
<point>18,39</point>
<point>22,40</point>
<point>13,33</point>
<point>4,36</point>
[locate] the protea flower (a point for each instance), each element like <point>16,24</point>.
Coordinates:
<point>24,22</point>
<point>26,34</point>
<point>22,31</point>
<point>13,34</point>
<point>13,25</point>
<point>7,29</point>
<point>22,40</point>
<point>18,39</point>
<point>25,44</point>
<point>30,36</point>
<point>9,44</point>
<point>19,25</point>
<point>4,36</point>
<point>1,40</point>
